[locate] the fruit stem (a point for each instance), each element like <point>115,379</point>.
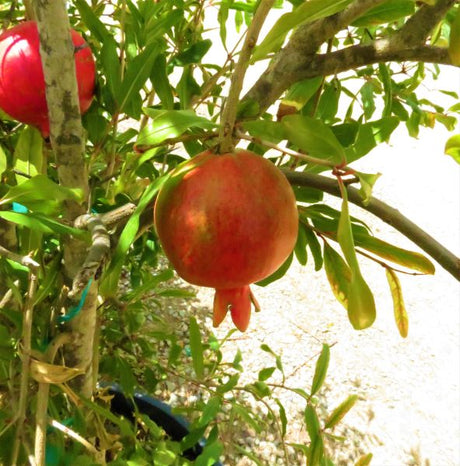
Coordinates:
<point>236,84</point>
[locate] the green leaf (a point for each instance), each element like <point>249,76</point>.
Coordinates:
<point>210,410</point>
<point>280,272</point>
<point>314,137</point>
<point>369,136</point>
<point>271,131</point>
<point>210,454</point>
<point>92,22</point>
<point>361,305</point>
<point>111,65</point>
<point>28,154</point>
<point>196,348</point>
<point>39,222</point>
<point>329,102</point>
<point>452,146</point>
<point>109,282</point>
<point>247,416</point>
<point>159,78</point>
<point>384,72</point>
<point>301,92</point>
<point>387,12</point>
<point>401,317</point>
<point>364,460</point>
<point>137,73</point>
<point>338,274</point>
<point>283,417</point>
<point>315,248</point>
<point>307,195</point>
<point>167,124</point>
<point>300,249</point>
<point>35,193</point>
<point>3,161</point>
<point>265,373</point>
<point>259,389</point>
<point>316,448</point>
<point>193,54</point>
<point>305,13</point>
<point>339,413</point>
<point>410,259</point>
<point>320,370</point>
<point>367,96</point>
<point>367,181</point>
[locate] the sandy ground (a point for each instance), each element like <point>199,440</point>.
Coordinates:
<point>409,408</point>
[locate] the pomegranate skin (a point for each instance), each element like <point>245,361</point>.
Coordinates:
<point>226,221</point>
<point>22,83</point>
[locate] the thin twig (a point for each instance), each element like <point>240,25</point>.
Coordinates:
<point>285,150</point>
<point>26,348</point>
<point>231,105</point>
<point>72,434</point>
<point>24,260</point>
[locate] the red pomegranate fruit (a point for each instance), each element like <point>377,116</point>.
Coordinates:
<point>22,84</point>
<point>226,221</point>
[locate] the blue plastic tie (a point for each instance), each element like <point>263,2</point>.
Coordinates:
<point>22,209</point>
<point>73,311</point>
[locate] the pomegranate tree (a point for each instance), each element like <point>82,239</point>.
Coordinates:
<point>22,84</point>
<point>226,221</point>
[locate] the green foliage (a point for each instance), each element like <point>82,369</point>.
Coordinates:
<point>159,98</point>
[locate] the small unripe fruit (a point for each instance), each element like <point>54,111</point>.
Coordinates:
<point>22,83</point>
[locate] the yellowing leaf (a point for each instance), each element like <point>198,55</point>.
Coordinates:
<point>338,274</point>
<point>452,147</point>
<point>338,414</point>
<point>401,317</point>
<point>43,372</point>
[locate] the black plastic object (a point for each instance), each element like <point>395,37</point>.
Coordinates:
<point>176,427</point>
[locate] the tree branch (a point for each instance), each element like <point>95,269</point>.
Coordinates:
<point>298,59</point>
<point>361,55</point>
<point>300,50</point>
<point>388,214</point>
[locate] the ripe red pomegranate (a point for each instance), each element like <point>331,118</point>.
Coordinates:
<point>226,221</point>
<point>22,84</point>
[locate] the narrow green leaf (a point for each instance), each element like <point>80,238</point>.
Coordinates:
<point>301,92</point>
<point>316,448</point>
<point>361,304</point>
<point>368,99</point>
<point>160,81</point>
<point>92,22</point>
<point>410,259</point>
<point>193,54</point>
<point>339,413</point>
<point>167,124</point>
<point>110,62</point>
<point>265,373</point>
<point>210,454</point>
<point>283,417</point>
<point>246,416</point>
<point>385,77</point>
<point>364,460</point>
<point>39,222</point>
<point>389,11</point>
<point>259,389</point>
<point>338,274</point>
<point>452,146</point>
<point>314,137</point>
<point>109,282</point>
<point>137,72</point>
<point>320,370</point>
<point>306,12</point>
<point>196,348</point>
<point>39,189</point>
<point>277,274</point>
<point>3,161</point>
<point>300,249</point>
<point>401,317</point>
<point>315,248</point>
<point>28,154</point>
<point>210,410</point>
<point>272,131</point>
